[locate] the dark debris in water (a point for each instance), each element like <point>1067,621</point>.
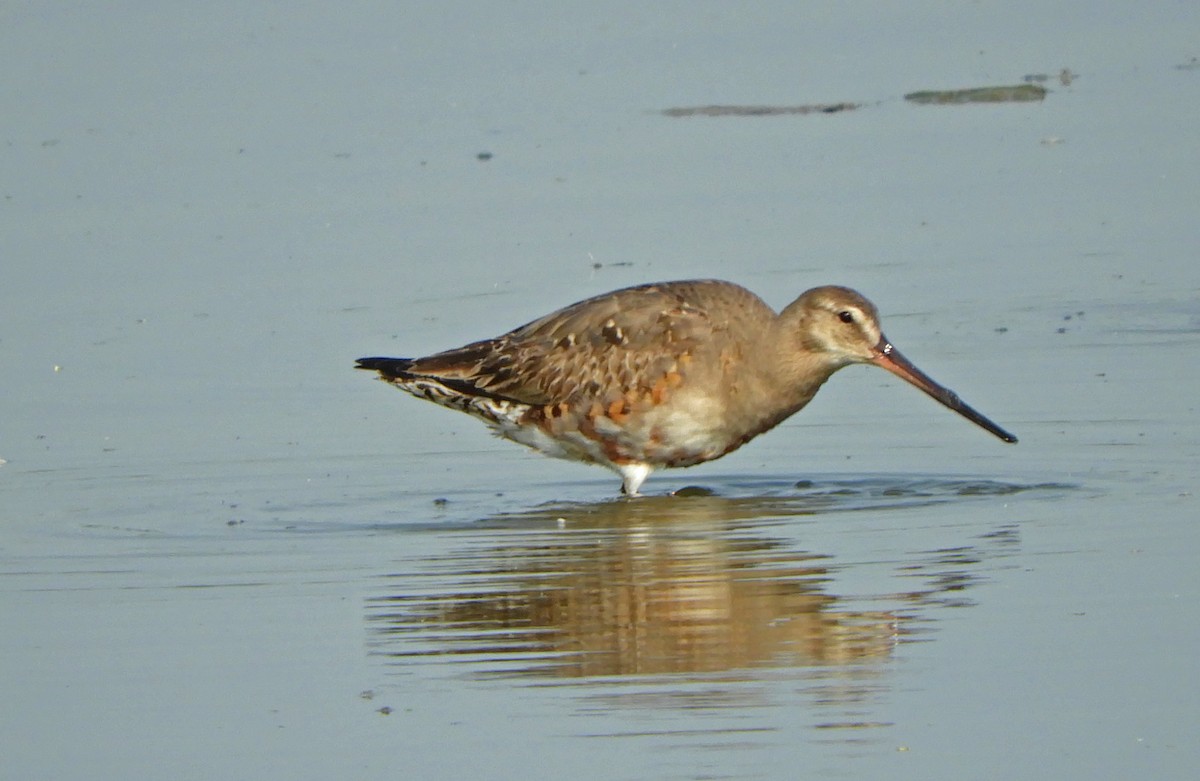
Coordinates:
<point>694,490</point>
<point>1019,93</point>
<point>1064,76</point>
<point>1029,91</point>
<point>759,111</point>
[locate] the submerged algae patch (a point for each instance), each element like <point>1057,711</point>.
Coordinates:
<point>1019,93</point>
<point>758,111</point>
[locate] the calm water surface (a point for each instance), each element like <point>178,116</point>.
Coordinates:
<point>226,554</point>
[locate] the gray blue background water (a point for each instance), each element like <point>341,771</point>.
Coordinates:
<point>224,553</point>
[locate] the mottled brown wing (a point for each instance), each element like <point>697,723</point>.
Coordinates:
<point>595,349</point>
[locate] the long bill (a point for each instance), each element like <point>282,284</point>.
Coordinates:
<point>889,358</point>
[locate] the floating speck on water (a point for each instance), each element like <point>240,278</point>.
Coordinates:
<point>1065,77</point>
<point>484,156</point>
<point>441,501</point>
<point>1002,329</point>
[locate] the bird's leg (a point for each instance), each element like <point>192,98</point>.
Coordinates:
<point>632,476</point>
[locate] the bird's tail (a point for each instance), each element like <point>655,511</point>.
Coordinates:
<point>388,368</point>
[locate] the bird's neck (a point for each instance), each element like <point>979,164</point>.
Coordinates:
<point>799,370</point>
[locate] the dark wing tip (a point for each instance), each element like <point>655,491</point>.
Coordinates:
<point>388,367</point>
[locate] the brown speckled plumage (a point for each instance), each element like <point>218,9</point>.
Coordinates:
<point>661,375</point>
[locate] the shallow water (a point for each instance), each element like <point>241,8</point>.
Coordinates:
<point>225,553</point>
<point>685,586</point>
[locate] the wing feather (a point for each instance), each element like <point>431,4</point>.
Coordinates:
<point>601,346</point>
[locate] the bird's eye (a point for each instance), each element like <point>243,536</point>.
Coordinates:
<point>846,316</point>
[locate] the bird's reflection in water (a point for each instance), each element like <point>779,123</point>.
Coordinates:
<point>683,585</point>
